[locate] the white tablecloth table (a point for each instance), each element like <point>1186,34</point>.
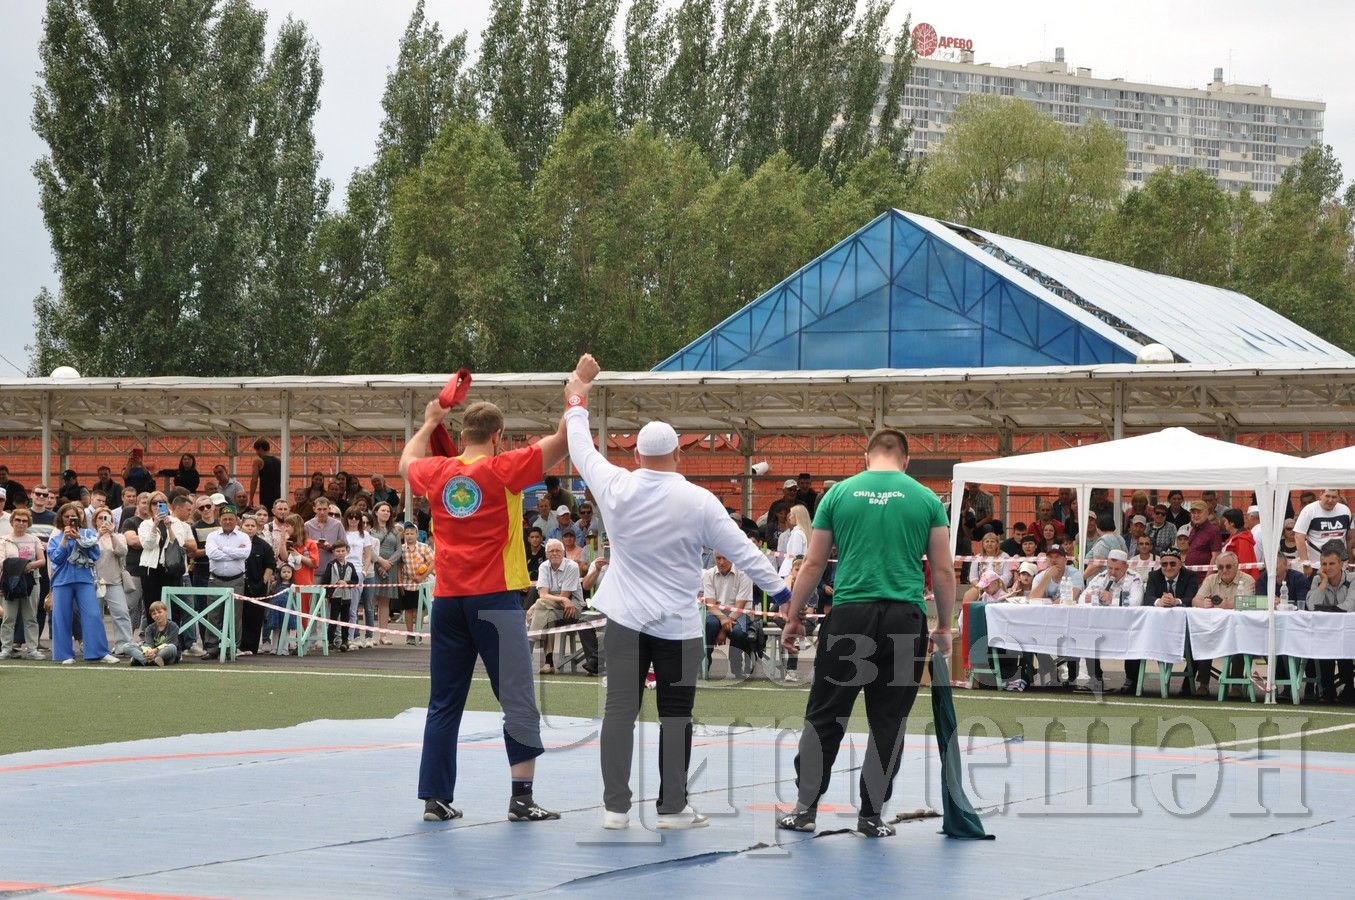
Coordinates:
<point>1101,632</point>
<point>1310,635</point>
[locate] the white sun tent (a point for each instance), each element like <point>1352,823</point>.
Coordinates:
<point>1171,458</point>
<point>1333,469</point>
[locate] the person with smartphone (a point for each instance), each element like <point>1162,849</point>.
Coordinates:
<point>159,566</point>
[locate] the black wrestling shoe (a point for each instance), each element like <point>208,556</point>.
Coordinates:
<point>439,811</point>
<point>525,809</point>
<point>798,820</point>
<point>873,827</point>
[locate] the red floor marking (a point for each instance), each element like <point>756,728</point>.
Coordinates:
<point>71,763</point>
<point>110,893</point>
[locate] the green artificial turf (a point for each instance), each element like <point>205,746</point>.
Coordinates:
<point>85,704</point>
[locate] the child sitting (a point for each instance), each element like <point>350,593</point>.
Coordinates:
<point>160,646</point>
<point>343,597</point>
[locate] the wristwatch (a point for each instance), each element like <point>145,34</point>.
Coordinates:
<point>574,400</point>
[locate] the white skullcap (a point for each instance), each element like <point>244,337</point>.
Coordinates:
<point>656,439</point>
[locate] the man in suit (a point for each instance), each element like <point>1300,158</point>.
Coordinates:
<point>1170,585</point>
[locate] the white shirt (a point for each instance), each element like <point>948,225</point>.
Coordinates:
<point>1260,548</point>
<point>226,553</point>
<point>797,542</point>
<point>1317,526</point>
<point>563,582</point>
<point>1127,591</point>
<point>726,590</point>
<point>152,552</point>
<point>658,524</point>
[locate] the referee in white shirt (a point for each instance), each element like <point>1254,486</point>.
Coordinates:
<point>659,525</point>
<point>227,549</point>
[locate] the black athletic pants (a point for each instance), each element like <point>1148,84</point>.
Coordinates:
<point>879,647</point>
<point>677,663</point>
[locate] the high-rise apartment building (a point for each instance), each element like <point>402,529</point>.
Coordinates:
<point>1239,134</point>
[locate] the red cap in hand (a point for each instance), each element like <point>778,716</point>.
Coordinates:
<point>458,386</point>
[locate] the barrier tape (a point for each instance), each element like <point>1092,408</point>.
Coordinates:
<point>373,629</point>
<point>1101,560</point>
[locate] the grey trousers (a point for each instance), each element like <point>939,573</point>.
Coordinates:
<point>28,609</point>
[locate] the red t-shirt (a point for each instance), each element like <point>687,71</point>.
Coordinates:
<point>477,519</point>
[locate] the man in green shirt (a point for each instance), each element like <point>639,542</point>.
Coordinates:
<point>882,522</point>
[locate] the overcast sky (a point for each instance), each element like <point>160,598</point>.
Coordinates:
<point>1296,48</point>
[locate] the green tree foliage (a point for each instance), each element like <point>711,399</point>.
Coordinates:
<point>1177,224</point>
<point>151,188</point>
<point>644,56</point>
<point>428,89</point>
<point>1294,253</point>
<point>457,294</point>
<point>1006,167</point>
<point>608,208</point>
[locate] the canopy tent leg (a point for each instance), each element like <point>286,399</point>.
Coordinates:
<point>746,445</point>
<point>602,424</point>
<point>285,450</point>
<point>409,435</point>
<point>1117,433</point>
<point>1272,526</point>
<point>47,439</point>
<point>1004,450</point>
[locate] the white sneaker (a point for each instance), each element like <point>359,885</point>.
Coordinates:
<point>791,676</point>
<point>615,821</point>
<point>68,662</point>
<point>6,654</point>
<point>688,818</point>
<point>33,654</point>
<point>110,659</point>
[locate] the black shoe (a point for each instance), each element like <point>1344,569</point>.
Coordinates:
<point>439,811</point>
<point>1126,688</point>
<point>525,809</point>
<point>343,648</point>
<point>798,820</point>
<point>873,827</point>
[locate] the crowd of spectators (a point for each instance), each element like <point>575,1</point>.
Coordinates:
<point>1202,553</point>
<point>71,552</point>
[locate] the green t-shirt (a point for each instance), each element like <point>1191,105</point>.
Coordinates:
<point>881,523</point>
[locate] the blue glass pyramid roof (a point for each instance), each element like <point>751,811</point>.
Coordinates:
<point>910,292</point>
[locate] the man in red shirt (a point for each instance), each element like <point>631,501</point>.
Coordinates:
<point>1205,538</point>
<point>480,568</point>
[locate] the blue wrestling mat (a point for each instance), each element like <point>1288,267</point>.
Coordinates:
<point>328,809</point>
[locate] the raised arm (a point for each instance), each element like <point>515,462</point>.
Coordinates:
<point>595,470</point>
<point>417,446</point>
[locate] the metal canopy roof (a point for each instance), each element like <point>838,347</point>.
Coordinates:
<point>1268,397</point>
<point>1200,323</point>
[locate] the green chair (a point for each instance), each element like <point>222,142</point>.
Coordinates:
<point>1227,680</point>
<point>978,637</point>
<point>1297,679</point>
<point>1165,671</point>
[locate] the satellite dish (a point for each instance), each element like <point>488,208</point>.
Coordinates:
<point>65,372</point>
<point>1153,354</point>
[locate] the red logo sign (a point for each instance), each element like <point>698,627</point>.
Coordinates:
<point>926,41</point>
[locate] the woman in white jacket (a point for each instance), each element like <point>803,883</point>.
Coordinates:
<point>797,539</point>
<point>156,534</point>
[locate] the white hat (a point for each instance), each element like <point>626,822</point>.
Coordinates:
<point>563,511</point>
<point>1184,530</point>
<point>219,500</point>
<point>790,483</point>
<point>1253,510</point>
<point>3,493</point>
<point>1029,568</point>
<point>1118,556</point>
<point>1139,520</point>
<point>656,439</point>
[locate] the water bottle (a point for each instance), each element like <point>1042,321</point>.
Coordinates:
<point>1066,591</point>
<point>1284,594</point>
